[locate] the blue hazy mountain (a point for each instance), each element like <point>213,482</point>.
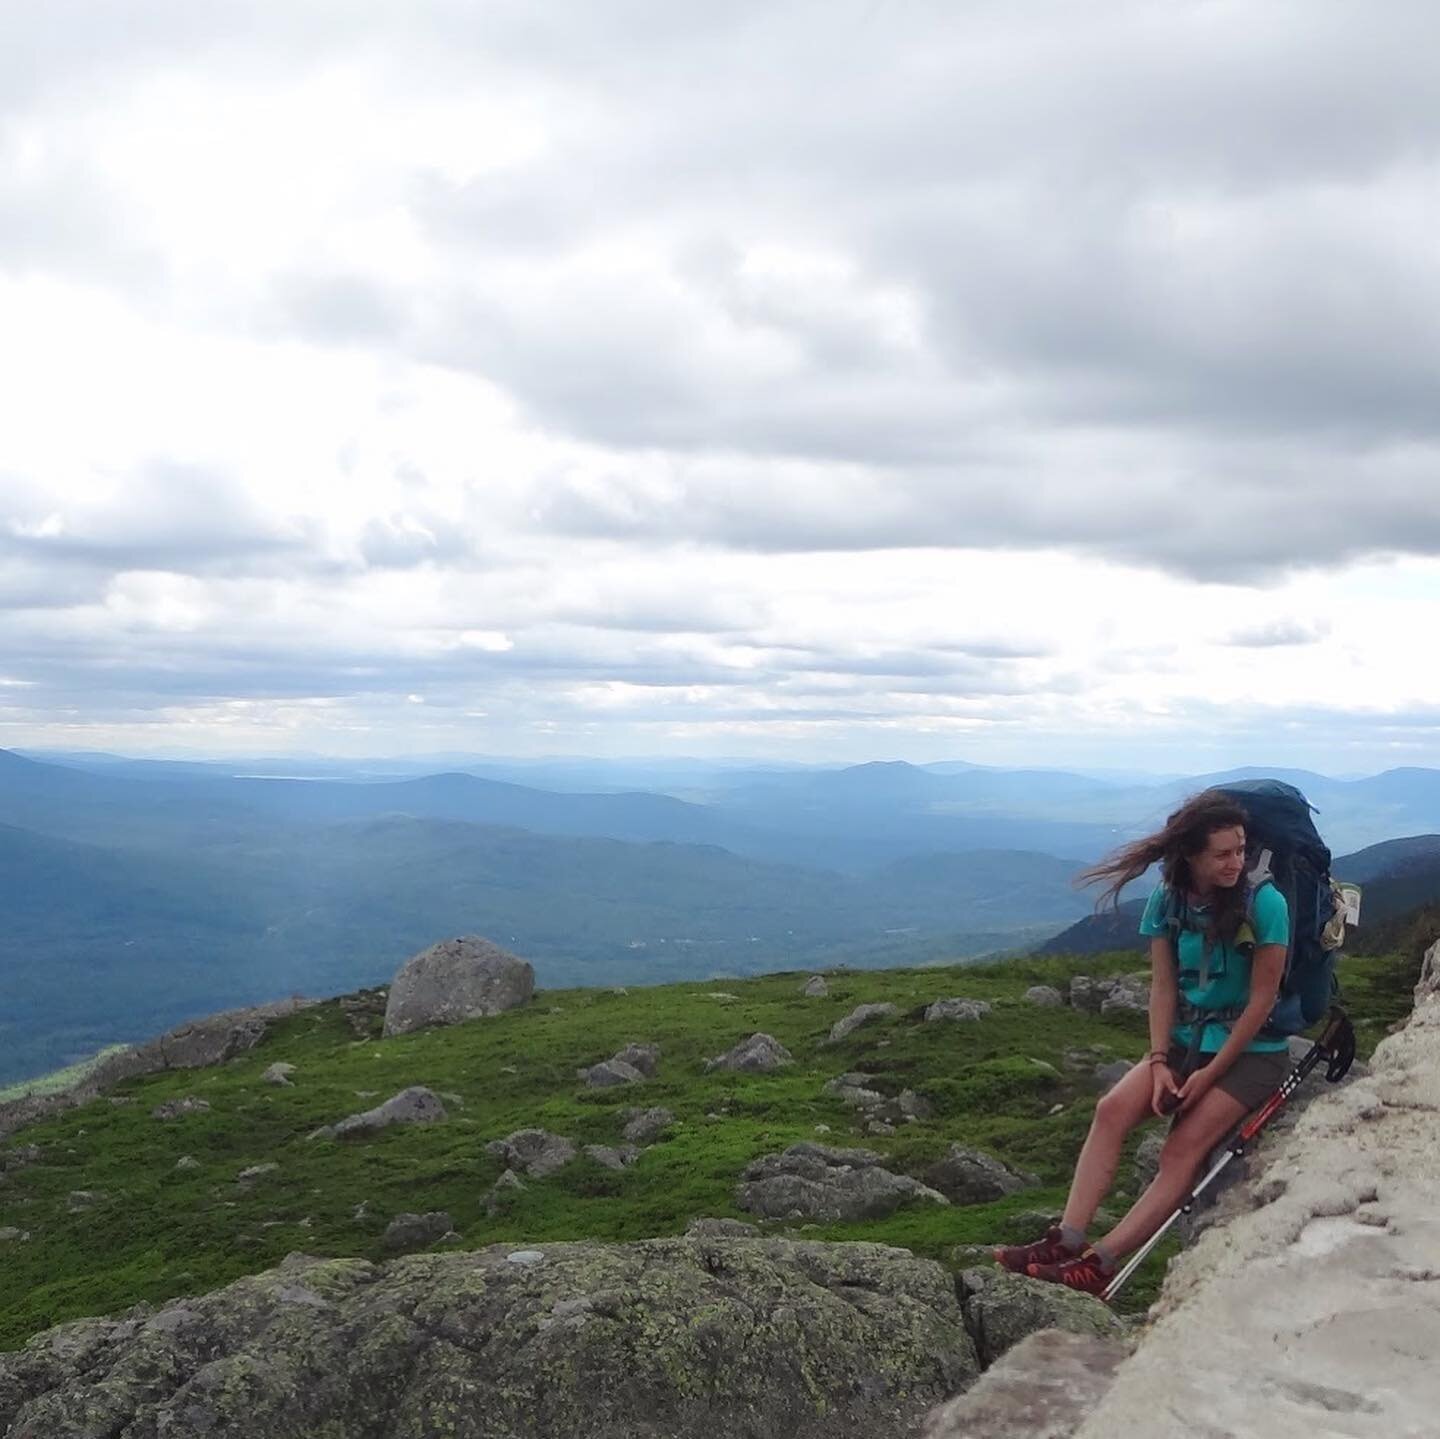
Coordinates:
<point>136,892</point>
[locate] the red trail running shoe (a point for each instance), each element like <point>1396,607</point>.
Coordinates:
<point>1084,1272</point>
<point>1018,1258</point>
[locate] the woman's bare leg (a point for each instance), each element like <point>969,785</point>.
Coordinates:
<point>1117,1113</point>
<point>1185,1149</point>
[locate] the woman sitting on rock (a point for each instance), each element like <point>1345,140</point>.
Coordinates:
<point>1221,950</point>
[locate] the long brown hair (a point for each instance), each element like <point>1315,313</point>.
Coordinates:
<point>1186,833</point>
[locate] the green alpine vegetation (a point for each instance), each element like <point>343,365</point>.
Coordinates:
<point>1017,1083</point>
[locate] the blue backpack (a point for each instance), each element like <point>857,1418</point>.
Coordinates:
<point>1283,848</point>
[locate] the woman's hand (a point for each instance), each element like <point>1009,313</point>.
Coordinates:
<point>1196,1087</point>
<point>1164,1092</point>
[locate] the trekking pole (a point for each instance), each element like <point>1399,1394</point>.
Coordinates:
<point>1336,1045</point>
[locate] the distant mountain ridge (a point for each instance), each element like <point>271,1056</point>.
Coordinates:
<point>189,887</point>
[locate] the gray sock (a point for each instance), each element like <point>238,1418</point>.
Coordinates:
<point>1072,1238</point>
<point>1107,1260</point>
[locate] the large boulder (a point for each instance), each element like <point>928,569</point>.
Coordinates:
<point>686,1338</point>
<point>757,1055</point>
<point>814,1181</point>
<point>456,980</point>
<point>969,1176</point>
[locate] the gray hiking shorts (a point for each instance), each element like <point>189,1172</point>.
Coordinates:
<point>1252,1079</point>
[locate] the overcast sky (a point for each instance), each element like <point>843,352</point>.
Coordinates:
<point>1014,382</point>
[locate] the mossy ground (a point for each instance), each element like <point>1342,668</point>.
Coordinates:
<point>1001,1084</point>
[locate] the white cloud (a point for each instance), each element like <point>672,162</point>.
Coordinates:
<point>837,378</point>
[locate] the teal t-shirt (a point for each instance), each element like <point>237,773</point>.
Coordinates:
<point>1228,979</point>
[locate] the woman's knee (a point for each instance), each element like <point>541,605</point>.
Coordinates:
<point>1118,1112</point>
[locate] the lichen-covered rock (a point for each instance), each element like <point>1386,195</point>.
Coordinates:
<point>815,1181</point>
<point>759,1054</point>
<point>1109,1075</point>
<point>454,981</point>
<point>957,1009</point>
<point>675,1337</point>
<point>416,1105</point>
<point>970,1176</point>
<point>815,987</point>
<point>1002,1308</point>
<point>535,1152</point>
<point>1041,1389</point>
<point>644,1125</point>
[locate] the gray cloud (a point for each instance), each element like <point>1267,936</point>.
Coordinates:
<point>1278,633</point>
<point>166,516</point>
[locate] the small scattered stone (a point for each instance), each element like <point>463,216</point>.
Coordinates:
<point>503,1193</point>
<point>620,1158</point>
<point>81,1199</point>
<point>861,1014</point>
<point>187,1161</point>
<point>278,1074</point>
<point>174,1108</point>
<point>1045,995</point>
<point>249,1176</point>
<point>644,1125</point>
<point>608,1073</point>
<point>416,1231</point>
<point>760,1053</point>
<point>815,987</point>
<point>535,1151</point>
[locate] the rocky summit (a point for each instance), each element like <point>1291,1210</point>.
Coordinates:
<point>491,1245</point>
<point>672,1337</point>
